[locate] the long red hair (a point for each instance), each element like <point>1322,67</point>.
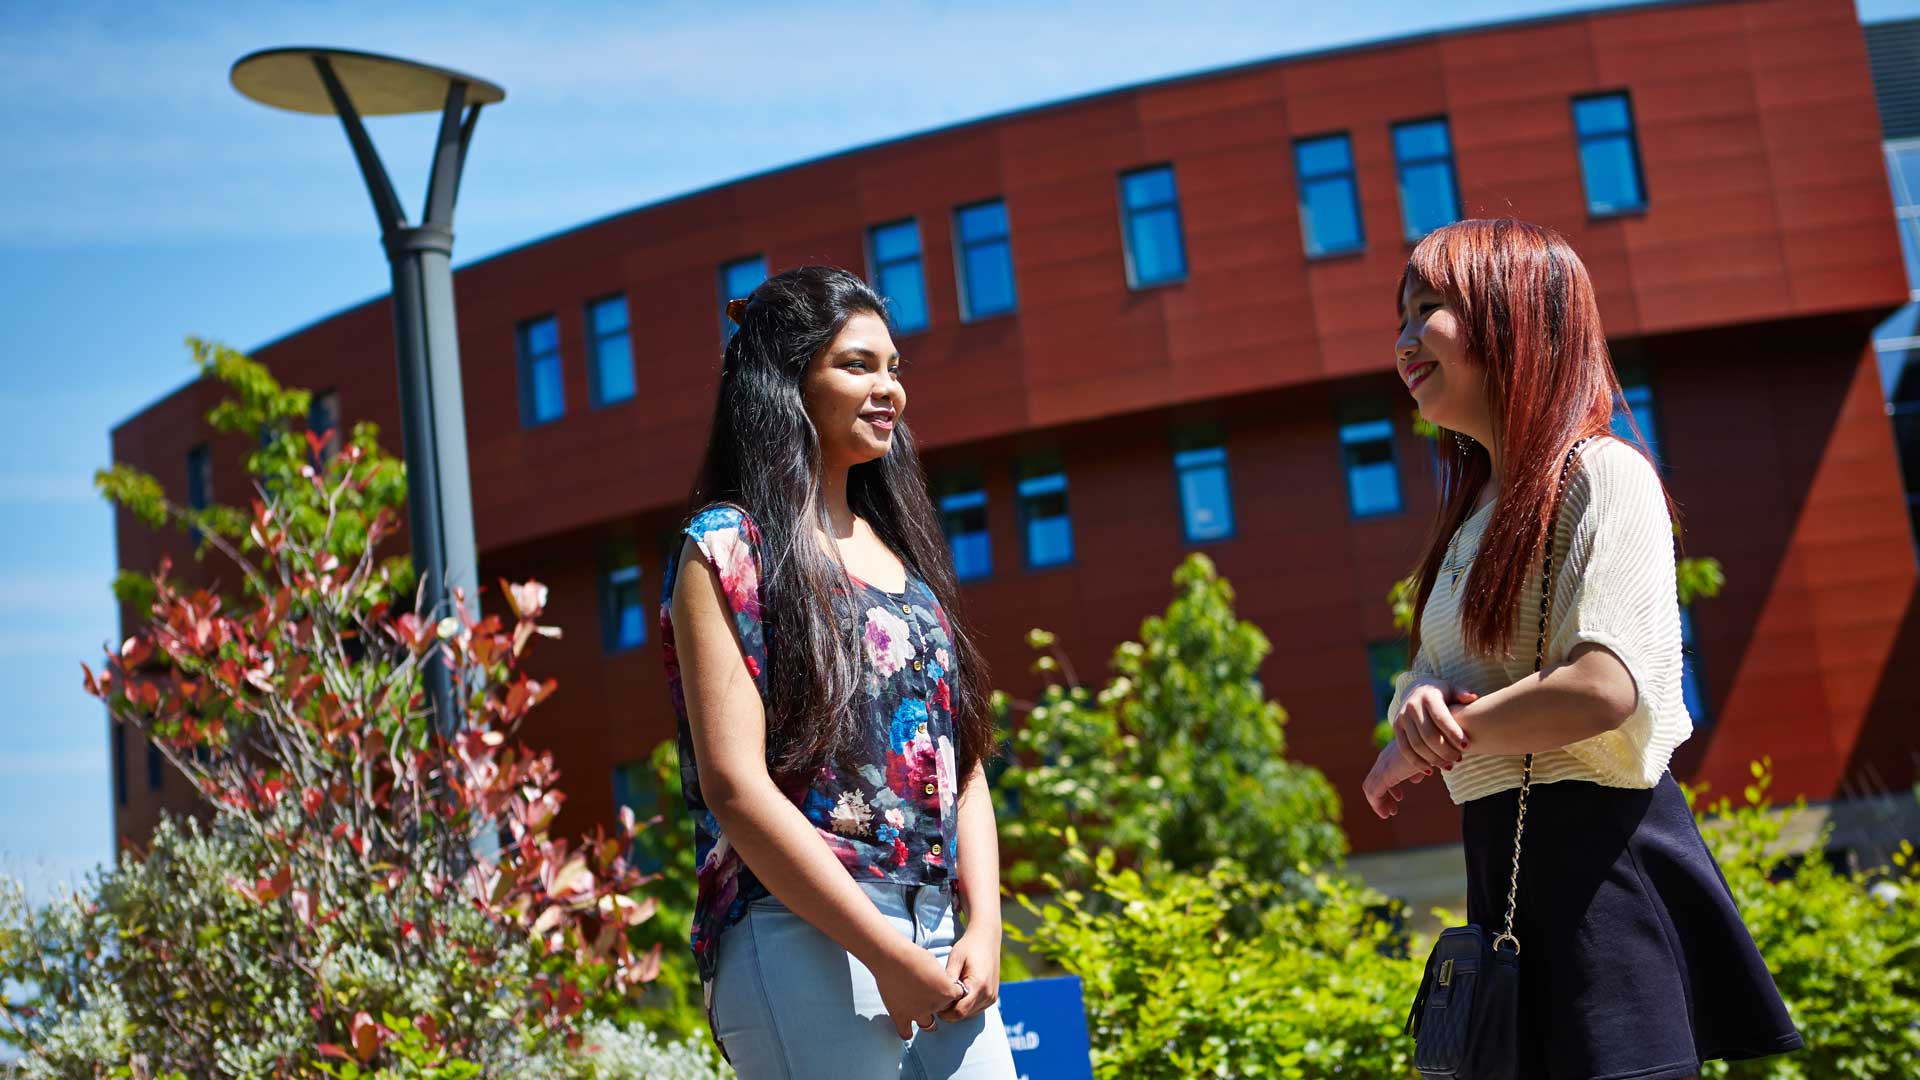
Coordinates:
<point>1528,316</point>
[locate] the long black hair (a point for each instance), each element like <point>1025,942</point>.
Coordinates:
<point>764,457</point>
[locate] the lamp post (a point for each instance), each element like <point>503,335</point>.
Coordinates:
<point>349,84</point>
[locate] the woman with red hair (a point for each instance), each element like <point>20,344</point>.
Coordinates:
<point>1637,962</point>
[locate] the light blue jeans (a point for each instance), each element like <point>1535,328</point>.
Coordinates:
<point>789,1004</point>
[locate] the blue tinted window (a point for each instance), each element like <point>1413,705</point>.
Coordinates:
<point>1692,683</point>
<point>1373,476</point>
<point>1150,208</point>
<point>894,253</point>
<point>1609,156</point>
<point>1423,154</point>
<point>199,485</point>
<point>116,737</point>
<point>963,516</point>
<point>737,279</point>
<point>156,767</point>
<point>1385,661</point>
<point>1044,520</point>
<point>635,789</point>
<point>1329,195</point>
<point>610,350</point>
<point>199,477</point>
<point>1637,400</point>
<point>1206,504</point>
<point>1903,178</point>
<point>323,420</point>
<point>542,394</point>
<point>986,260</point>
<point>623,611</point>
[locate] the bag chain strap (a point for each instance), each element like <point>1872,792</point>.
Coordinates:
<point>1539,656</point>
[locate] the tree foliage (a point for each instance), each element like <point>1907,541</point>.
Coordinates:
<point>359,863</point>
<point>1179,759</point>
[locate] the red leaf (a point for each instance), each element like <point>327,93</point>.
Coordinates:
<point>135,650</point>
<point>332,1050</point>
<point>527,600</point>
<point>366,1036</point>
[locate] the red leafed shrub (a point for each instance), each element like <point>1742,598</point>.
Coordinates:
<point>389,869</point>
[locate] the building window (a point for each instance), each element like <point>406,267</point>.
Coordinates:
<point>623,611</point>
<point>199,477</point>
<point>1423,154</point>
<point>1385,661</point>
<point>543,395</point>
<point>1692,683</point>
<point>1329,195</point>
<point>1609,155</point>
<point>1899,356</point>
<point>323,420</point>
<point>1903,178</point>
<point>117,736</point>
<point>737,279</point>
<point>635,789</point>
<point>1636,401</point>
<point>609,351</point>
<point>1373,474</point>
<point>985,253</point>
<point>894,253</point>
<point>1042,492</point>
<point>963,517</point>
<point>199,484</point>
<point>1150,211</point>
<point>156,767</point>
<point>1206,501</point>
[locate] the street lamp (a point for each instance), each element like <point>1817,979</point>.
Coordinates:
<point>349,84</point>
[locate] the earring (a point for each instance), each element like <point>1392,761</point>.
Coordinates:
<point>1466,444</point>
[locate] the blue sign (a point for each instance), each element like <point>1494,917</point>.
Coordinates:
<point>1047,1025</point>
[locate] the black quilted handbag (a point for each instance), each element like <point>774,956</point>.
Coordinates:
<point>1465,1020</point>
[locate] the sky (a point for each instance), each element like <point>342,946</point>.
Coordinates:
<point>142,199</point>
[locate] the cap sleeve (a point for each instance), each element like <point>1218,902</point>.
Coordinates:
<point>730,542</point>
<point>1616,589</point>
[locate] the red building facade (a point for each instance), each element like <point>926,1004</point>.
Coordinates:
<point>1741,291</point>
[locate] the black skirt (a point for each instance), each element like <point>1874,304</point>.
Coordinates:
<point>1634,964</point>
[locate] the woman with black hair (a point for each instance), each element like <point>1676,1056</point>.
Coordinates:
<point>832,715</point>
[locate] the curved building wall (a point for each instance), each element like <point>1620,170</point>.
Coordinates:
<point>1742,291</point>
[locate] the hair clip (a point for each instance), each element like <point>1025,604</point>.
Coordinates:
<point>737,310</point>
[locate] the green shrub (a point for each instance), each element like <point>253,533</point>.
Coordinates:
<point>612,1052</point>
<point>1180,759</point>
<point>1220,973</point>
<point>1844,946</point>
<point>379,890</point>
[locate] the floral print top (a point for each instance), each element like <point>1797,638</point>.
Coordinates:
<point>888,813</point>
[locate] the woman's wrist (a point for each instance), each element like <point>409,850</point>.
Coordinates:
<point>888,951</point>
<point>979,914</point>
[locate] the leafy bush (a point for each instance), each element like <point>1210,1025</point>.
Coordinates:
<point>1180,759</point>
<point>1220,972</point>
<point>1844,945</point>
<point>370,894</point>
<point>612,1052</point>
<point>672,1005</point>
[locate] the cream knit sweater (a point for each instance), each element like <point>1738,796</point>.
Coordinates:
<point>1614,585</point>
